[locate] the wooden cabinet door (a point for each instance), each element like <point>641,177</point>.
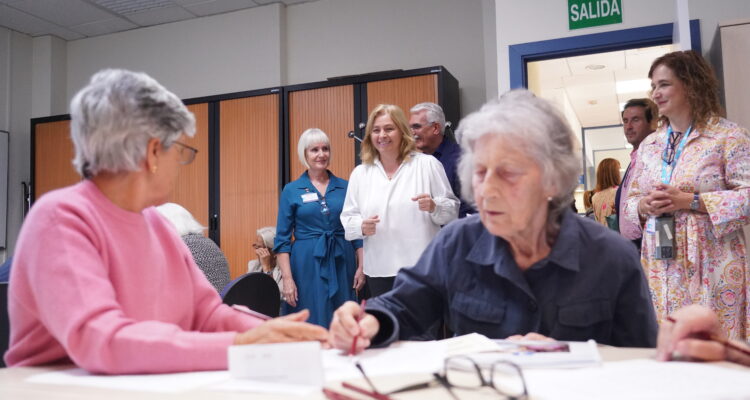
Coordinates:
<point>53,157</point>
<point>330,109</point>
<point>403,92</point>
<point>249,174</point>
<point>191,189</point>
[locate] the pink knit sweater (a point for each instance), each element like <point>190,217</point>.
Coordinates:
<point>113,291</point>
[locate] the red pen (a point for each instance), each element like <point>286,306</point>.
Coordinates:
<point>359,317</point>
<point>244,309</point>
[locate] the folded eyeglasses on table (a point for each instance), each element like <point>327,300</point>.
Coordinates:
<point>461,372</point>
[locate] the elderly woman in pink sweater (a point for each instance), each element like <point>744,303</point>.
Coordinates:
<point>99,277</point>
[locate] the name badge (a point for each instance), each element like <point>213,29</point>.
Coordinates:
<point>309,197</point>
<point>651,225</point>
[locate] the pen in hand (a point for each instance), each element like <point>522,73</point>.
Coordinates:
<point>724,342</point>
<point>357,318</point>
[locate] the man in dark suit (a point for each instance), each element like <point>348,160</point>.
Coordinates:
<point>639,119</point>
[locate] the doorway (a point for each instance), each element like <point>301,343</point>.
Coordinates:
<point>590,77</point>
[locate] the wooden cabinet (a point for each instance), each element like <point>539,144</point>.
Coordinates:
<point>341,105</point>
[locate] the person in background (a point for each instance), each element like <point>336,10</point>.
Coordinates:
<point>639,118</point>
<point>587,195</point>
<point>206,253</point>
<point>695,333</point>
<point>266,258</point>
<point>427,123</point>
<point>607,181</point>
<point>695,173</point>
<point>525,263</point>
<point>320,268</point>
<point>99,277</point>
<point>397,199</point>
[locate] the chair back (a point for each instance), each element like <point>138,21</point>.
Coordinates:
<point>255,290</point>
<point>4,322</point>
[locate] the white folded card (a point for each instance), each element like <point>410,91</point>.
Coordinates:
<point>297,363</point>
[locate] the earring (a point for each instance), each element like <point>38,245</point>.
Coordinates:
<point>153,169</point>
<point>549,198</point>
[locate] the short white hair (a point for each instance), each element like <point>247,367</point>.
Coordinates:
<point>434,114</point>
<point>535,125</point>
<point>116,114</point>
<point>309,138</point>
<point>183,221</point>
<point>268,234</point>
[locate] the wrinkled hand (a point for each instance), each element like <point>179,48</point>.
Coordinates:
<point>369,225</point>
<point>289,328</point>
<point>530,336</point>
<point>685,337</point>
<point>425,202</point>
<point>264,256</point>
<point>665,199</point>
<point>289,290</point>
<point>345,327</point>
<point>359,279</point>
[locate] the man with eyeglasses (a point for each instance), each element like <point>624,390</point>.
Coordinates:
<point>427,123</point>
<point>639,119</point>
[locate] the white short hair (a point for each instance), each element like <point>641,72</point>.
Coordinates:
<point>434,114</point>
<point>309,138</point>
<point>536,126</point>
<point>116,114</point>
<point>183,221</point>
<point>268,234</point>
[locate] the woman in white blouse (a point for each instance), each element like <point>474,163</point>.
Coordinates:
<point>397,198</point>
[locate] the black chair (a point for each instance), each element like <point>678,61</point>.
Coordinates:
<point>255,290</point>
<point>4,322</point>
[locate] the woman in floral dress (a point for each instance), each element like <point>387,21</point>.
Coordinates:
<point>696,170</point>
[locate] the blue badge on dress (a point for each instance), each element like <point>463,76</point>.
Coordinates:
<point>651,225</point>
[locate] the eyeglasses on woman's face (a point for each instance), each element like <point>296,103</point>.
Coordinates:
<point>186,153</point>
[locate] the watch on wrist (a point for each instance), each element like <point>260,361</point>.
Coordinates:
<point>695,203</point>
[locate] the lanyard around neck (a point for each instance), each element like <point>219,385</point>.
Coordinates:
<point>668,168</point>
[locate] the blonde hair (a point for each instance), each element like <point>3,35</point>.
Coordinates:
<point>368,153</point>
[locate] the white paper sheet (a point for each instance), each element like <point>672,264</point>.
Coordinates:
<point>399,358</point>
<point>297,363</point>
<point>164,383</point>
<point>247,385</point>
<point>640,379</point>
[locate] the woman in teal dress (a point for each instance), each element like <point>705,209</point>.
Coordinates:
<point>320,269</point>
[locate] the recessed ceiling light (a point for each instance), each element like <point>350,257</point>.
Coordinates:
<point>592,102</point>
<point>595,67</point>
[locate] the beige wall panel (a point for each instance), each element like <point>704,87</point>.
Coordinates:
<point>403,92</point>
<point>191,189</point>
<point>53,157</point>
<point>249,169</point>
<point>332,110</point>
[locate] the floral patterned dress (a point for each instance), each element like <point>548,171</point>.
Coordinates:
<point>604,204</point>
<point>709,266</point>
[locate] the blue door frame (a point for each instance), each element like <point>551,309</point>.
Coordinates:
<point>646,36</point>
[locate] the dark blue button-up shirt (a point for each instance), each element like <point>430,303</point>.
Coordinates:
<point>591,286</point>
<point>448,153</point>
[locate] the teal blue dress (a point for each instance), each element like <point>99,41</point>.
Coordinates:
<point>323,262</point>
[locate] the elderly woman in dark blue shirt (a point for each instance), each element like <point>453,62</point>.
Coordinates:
<point>526,263</point>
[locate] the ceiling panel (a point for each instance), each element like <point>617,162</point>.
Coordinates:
<point>582,65</point>
<point>203,8</point>
<point>160,16</point>
<point>23,22</point>
<point>63,13</point>
<point>104,27</point>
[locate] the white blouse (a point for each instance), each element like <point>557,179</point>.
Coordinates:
<point>403,231</point>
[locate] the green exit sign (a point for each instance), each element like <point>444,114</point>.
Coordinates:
<point>588,13</point>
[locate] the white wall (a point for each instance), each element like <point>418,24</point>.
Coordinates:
<point>15,113</point>
<point>49,75</point>
<point>521,22</point>
<point>330,38</point>
<point>205,56</point>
